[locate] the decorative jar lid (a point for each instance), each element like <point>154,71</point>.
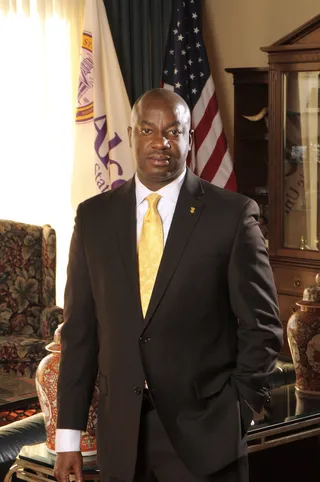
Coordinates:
<point>55,345</point>
<point>311,295</point>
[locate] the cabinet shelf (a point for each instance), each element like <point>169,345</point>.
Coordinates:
<point>309,110</point>
<point>252,193</point>
<point>253,138</point>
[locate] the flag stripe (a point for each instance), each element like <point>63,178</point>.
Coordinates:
<point>225,172</point>
<point>231,183</point>
<point>168,87</point>
<point>204,126</point>
<point>209,144</point>
<point>207,92</point>
<point>210,169</point>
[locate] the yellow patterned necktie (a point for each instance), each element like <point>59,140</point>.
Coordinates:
<point>150,250</point>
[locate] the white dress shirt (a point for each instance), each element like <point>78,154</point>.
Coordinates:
<point>68,440</point>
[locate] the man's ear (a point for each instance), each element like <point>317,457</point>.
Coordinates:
<point>191,139</point>
<point>130,135</point>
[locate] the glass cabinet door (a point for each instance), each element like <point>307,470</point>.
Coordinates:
<point>301,157</point>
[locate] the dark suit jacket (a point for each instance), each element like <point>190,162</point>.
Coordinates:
<point>210,338</point>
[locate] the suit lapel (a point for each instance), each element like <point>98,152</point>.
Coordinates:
<point>186,216</point>
<point>126,227</point>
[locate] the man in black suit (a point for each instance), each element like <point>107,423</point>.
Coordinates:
<point>183,331</point>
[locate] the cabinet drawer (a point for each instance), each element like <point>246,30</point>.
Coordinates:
<point>293,280</point>
<point>287,305</point>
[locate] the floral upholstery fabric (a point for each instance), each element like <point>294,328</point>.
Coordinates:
<point>28,315</point>
<point>20,354</point>
<point>50,318</point>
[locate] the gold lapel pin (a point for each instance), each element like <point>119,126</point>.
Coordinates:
<point>192,210</point>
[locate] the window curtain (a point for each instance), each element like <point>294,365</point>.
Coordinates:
<point>139,29</point>
<point>38,88</point>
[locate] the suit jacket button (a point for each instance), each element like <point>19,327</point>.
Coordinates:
<point>137,390</point>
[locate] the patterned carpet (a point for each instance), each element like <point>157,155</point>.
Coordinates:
<point>18,398</point>
<point>8,416</point>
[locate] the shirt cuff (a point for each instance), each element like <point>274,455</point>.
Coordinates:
<point>68,440</point>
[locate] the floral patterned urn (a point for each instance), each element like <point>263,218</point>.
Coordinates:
<point>304,340</point>
<point>46,385</point>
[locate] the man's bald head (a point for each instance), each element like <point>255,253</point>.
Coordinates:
<point>160,137</point>
<point>156,97</point>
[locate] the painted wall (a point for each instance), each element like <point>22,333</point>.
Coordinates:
<point>234,31</point>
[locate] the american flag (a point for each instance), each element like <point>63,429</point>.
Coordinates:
<point>187,72</point>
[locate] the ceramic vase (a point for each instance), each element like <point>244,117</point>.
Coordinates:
<point>46,385</point>
<point>303,332</point>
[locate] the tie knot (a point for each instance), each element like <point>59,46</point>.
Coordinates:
<point>153,200</point>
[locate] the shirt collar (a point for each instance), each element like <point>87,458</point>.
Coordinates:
<point>170,191</point>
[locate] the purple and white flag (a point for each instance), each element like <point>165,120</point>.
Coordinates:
<point>102,155</point>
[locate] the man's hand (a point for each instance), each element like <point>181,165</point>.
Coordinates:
<point>68,463</point>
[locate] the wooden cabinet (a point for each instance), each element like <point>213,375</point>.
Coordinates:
<point>294,162</point>
<point>251,135</point>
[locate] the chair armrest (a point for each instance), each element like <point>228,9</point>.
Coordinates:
<point>50,318</point>
<point>15,435</point>
<point>284,374</point>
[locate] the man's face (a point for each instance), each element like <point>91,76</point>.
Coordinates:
<point>160,138</point>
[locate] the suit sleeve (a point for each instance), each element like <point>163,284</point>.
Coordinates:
<point>253,298</point>
<point>79,344</point>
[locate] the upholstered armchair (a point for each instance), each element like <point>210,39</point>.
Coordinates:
<point>28,315</point>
